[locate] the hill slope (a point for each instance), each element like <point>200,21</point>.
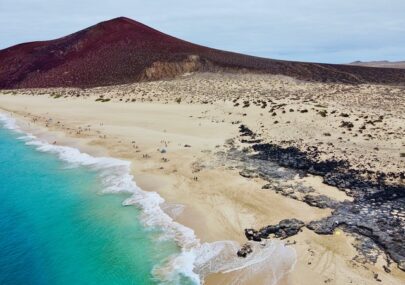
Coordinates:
<point>122,51</point>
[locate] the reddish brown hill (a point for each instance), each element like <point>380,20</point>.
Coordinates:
<point>122,51</point>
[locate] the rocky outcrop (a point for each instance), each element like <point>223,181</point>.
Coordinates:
<point>382,222</point>
<point>248,173</point>
<point>284,229</point>
<point>245,250</point>
<point>160,69</point>
<point>320,201</point>
<point>377,212</point>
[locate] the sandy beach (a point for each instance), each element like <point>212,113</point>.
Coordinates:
<point>176,134</point>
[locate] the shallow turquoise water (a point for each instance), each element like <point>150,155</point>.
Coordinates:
<point>56,227</point>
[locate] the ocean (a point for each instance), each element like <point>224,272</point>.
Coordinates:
<point>62,220</point>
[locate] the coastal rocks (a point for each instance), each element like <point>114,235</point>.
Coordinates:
<point>248,173</point>
<point>245,250</point>
<point>301,193</point>
<point>368,250</point>
<point>294,158</point>
<point>376,214</point>
<point>252,234</point>
<point>267,186</point>
<point>284,229</point>
<point>289,227</point>
<point>381,223</point>
<point>320,201</point>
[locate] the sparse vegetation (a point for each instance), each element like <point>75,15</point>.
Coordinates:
<point>103,100</point>
<point>323,113</point>
<point>56,95</point>
<point>346,124</point>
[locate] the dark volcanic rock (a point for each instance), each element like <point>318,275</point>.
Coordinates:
<point>245,250</point>
<point>252,234</point>
<point>320,201</point>
<point>377,212</point>
<point>247,173</point>
<point>382,222</point>
<point>283,229</point>
<point>294,158</point>
<point>290,226</point>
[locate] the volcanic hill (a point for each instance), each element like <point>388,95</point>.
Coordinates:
<point>122,51</point>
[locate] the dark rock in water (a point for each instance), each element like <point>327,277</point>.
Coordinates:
<point>245,250</point>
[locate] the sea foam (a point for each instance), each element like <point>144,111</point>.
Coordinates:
<point>196,260</point>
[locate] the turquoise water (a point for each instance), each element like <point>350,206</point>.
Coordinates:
<point>57,228</point>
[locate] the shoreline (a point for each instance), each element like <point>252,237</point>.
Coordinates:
<point>226,203</point>
<point>116,180</point>
<point>191,249</point>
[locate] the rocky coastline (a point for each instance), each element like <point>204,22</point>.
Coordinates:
<point>376,215</point>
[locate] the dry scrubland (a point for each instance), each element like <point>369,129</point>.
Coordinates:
<point>361,123</point>
<point>179,134</point>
